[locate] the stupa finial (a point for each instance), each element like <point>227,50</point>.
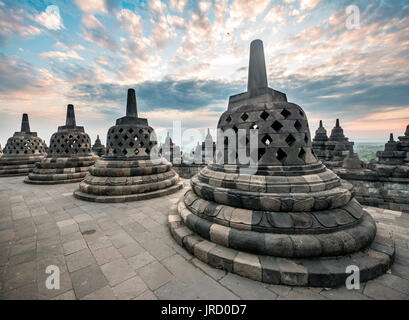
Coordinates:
<point>257,77</point>
<point>337,123</point>
<point>321,124</point>
<point>70,119</point>
<point>131,110</point>
<point>391,137</point>
<point>25,125</point>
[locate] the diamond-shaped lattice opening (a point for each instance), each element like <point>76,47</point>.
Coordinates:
<point>297,125</point>
<point>126,137</point>
<point>290,140</point>
<point>276,126</point>
<point>131,144</point>
<point>121,129</point>
<point>120,144</point>
<point>141,144</point>
<point>301,113</point>
<point>261,152</point>
<point>124,151</point>
<point>306,138</point>
<point>226,141</point>
<point>147,150</point>
<point>302,154</point>
<point>281,155</point>
<point>254,126</point>
<point>116,137</point>
<point>130,130</point>
<point>244,116</point>
<point>140,131</point>
<point>266,140</point>
<point>285,113</point>
<point>136,151</point>
<point>228,119</point>
<point>264,115</point>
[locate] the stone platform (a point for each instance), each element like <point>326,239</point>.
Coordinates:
<point>125,251</point>
<point>268,266</point>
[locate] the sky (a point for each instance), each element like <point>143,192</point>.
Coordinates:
<point>185,58</point>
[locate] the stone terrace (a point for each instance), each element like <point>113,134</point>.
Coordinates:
<point>125,251</point>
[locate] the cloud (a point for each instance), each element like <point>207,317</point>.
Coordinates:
<point>96,33</point>
<point>309,4</point>
<point>50,18</point>
<point>21,80</point>
<point>178,5</point>
<point>94,6</point>
<point>60,55</point>
<point>16,22</point>
<point>160,95</point>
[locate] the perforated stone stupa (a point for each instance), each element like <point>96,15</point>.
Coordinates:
<point>69,155</point>
<point>288,220</point>
<point>132,168</point>
<point>22,151</point>
<point>333,151</point>
<point>98,148</point>
<point>393,161</point>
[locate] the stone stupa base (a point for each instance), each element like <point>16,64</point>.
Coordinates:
<point>18,167</point>
<point>372,261</point>
<point>60,170</point>
<point>131,197</point>
<point>128,180</point>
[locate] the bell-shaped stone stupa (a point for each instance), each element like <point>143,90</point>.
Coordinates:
<point>286,219</point>
<point>98,148</point>
<point>69,155</point>
<point>319,142</point>
<point>132,168</point>
<point>22,151</point>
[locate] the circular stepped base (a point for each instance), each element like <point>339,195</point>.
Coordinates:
<point>132,197</point>
<point>5,175</point>
<point>48,182</point>
<point>313,272</point>
<point>15,170</point>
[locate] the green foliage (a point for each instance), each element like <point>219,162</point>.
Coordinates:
<point>367,151</point>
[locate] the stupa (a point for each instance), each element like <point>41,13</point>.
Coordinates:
<point>132,169</point>
<point>22,151</point>
<point>170,151</point>
<point>98,148</point>
<point>69,155</point>
<point>319,143</point>
<point>286,219</point>
<point>394,160</point>
<point>395,152</point>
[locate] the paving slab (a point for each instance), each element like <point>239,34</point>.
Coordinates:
<point>140,259</point>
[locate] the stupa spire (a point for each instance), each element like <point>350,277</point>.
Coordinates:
<point>70,119</point>
<point>321,124</point>
<point>131,110</point>
<point>337,123</point>
<point>391,137</point>
<point>257,77</point>
<point>25,125</point>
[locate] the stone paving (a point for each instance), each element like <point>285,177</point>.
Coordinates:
<point>125,251</point>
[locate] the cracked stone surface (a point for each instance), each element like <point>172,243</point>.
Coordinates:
<point>127,252</point>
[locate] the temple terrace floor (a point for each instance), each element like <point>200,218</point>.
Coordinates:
<point>125,251</point>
